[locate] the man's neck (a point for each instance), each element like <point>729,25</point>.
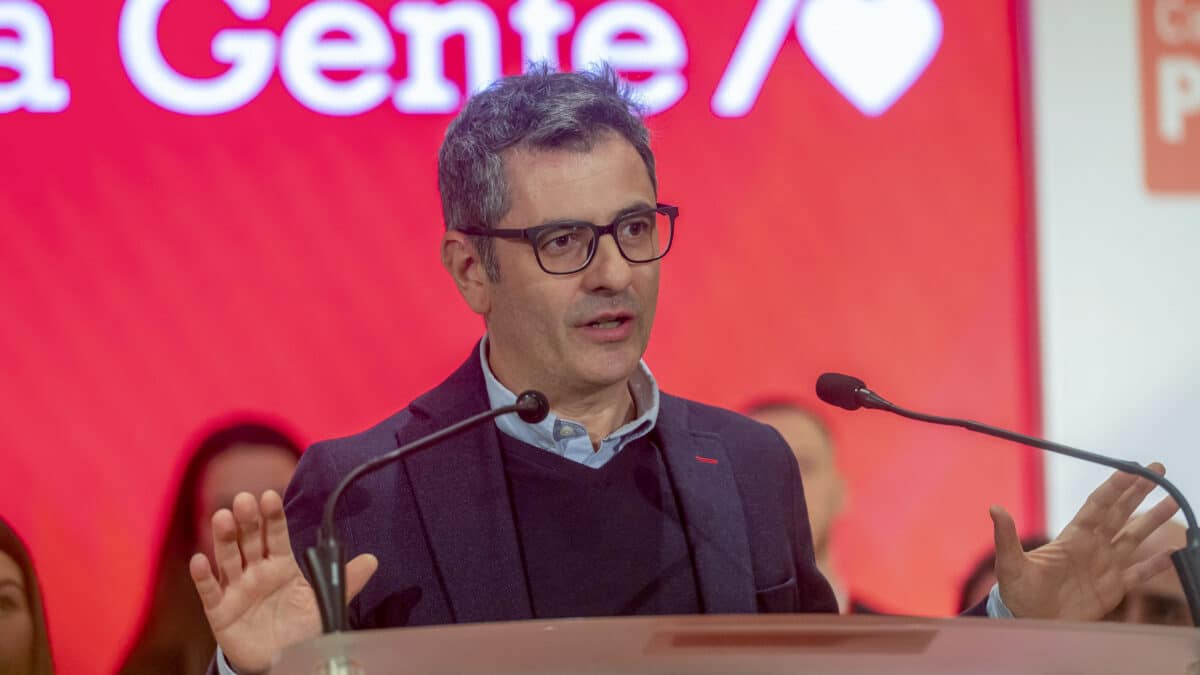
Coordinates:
<point>601,413</point>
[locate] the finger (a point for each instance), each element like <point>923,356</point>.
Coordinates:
<point>1129,500</point>
<point>1009,554</point>
<point>225,545</point>
<point>1137,530</point>
<point>1094,510</point>
<point>207,586</point>
<point>278,541</point>
<point>249,524</point>
<point>1147,569</point>
<point>358,573</point>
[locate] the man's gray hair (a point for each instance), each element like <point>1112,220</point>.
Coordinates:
<point>541,109</point>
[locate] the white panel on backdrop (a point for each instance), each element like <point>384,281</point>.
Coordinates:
<point>1119,275</point>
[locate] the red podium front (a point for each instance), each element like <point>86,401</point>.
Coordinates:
<point>755,644</point>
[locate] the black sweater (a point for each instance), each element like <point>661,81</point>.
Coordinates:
<point>600,542</point>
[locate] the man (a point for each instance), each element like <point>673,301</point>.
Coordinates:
<point>625,500</point>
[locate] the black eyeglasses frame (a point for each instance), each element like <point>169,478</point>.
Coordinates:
<point>531,234</point>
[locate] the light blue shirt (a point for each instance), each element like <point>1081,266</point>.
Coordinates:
<point>569,439</point>
<point>996,608</point>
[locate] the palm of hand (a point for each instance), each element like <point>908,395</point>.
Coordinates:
<point>1074,577</point>
<point>262,603</point>
<point>1086,571</point>
<point>270,607</point>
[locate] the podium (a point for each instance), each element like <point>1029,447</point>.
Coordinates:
<point>754,645</point>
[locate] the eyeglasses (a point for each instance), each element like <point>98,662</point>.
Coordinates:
<point>566,247</point>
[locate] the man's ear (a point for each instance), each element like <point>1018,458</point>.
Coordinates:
<point>461,260</point>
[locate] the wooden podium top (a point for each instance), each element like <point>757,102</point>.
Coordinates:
<point>756,644</point>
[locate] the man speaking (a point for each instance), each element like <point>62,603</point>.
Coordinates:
<point>625,500</point>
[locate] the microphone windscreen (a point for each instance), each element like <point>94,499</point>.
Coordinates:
<point>837,389</point>
<point>533,406</point>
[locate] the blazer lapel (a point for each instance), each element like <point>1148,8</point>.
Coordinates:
<point>712,511</point>
<point>462,495</point>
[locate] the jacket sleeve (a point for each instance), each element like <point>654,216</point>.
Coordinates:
<point>316,476</point>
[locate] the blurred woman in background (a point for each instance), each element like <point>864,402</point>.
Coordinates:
<point>246,456</point>
<point>24,645</point>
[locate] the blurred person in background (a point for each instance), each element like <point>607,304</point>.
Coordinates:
<point>243,456</point>
<point>1160,599</point>
<point>983,575</point>
<point>24,645</point>
<point>807,435</point>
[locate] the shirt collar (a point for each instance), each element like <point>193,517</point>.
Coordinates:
<point>564,437</point>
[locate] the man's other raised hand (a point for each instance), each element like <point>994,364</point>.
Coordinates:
<point>1086,571</point>
<point>257,601</point>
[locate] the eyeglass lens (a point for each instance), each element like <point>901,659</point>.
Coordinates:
<point>642,237</point>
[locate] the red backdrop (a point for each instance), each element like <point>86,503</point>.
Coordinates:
<point>160,270</point>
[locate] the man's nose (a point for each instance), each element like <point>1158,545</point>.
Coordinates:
<point>609,270</point>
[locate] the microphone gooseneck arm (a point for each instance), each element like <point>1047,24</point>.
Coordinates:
<point>870,399</point>
<point>326,561</point>
<point>851,393</point>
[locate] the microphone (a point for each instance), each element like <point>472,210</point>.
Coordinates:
<point>852,393</point>
<point>848,392</point>
<point>326,561</point>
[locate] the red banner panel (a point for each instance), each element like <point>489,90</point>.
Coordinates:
<point>212,207</point>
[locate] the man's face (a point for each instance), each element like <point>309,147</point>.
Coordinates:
<point>580,333</point>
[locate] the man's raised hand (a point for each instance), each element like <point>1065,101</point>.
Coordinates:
<point>261,602</point>
<point>1086,571</point>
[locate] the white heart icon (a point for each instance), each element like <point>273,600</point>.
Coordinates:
<point>870,50</point>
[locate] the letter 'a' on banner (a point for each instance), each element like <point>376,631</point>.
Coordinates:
<point>27,49</point>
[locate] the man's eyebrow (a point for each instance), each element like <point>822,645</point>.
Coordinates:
<point>632,208</point>
<point>562,221</point>
<point>12,582</point>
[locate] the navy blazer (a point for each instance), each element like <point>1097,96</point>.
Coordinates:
<point>441,524</point>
